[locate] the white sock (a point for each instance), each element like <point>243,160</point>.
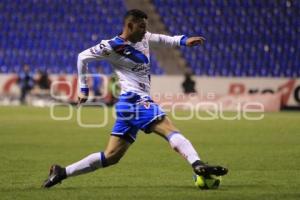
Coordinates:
<point>88,164</point>
<point>183,146</point>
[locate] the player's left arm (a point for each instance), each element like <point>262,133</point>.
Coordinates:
<point>177,40</point>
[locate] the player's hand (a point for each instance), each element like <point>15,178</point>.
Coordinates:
<point>193,41</point>
<point>83,96</point>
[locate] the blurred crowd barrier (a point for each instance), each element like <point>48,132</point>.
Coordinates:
<point>273,93</point>
<point>285,89</point>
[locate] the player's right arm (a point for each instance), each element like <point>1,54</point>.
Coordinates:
<point>98,52</point>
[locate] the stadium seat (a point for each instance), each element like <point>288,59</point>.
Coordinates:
<point>253,35</point>
<point>50,33</point>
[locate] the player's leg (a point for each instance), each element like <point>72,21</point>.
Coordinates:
<point>116,148</point>
<point>183,146</point>
<point>114,151</point>
<point>178,142</point>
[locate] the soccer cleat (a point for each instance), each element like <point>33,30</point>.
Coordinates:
<point>56,175</point>
<point>203,169</point>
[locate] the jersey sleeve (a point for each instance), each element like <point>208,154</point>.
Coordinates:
<point>177,40</point>
<point>99,52</point>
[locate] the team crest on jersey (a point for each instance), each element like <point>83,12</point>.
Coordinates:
<point>146,104</point>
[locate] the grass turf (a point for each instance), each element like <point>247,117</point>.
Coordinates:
<point>263,158</point>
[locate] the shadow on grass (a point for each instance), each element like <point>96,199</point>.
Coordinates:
<point>118,187</point>
<point>107,187</point>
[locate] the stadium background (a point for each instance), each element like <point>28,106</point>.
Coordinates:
<point>251,54</point>
<point>253,40</point>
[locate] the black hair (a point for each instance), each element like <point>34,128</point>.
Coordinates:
<point>135,14</point>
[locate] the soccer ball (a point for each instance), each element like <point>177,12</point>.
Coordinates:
<point>209,182</point>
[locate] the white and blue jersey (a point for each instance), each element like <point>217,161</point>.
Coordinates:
<point>131,62</point>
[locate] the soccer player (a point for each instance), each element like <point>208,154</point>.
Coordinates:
<point>129,54</point>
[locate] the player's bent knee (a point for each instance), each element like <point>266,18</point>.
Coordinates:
<point>113,157</point>
<point>113,160</point>
<point>164,127</point>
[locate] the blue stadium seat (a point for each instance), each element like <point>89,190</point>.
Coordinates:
<point>253,35</point>
<point>50,33</point>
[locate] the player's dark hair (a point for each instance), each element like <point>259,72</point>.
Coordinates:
<point>135,14</point>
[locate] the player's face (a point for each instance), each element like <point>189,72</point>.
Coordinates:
<point>138,30</point>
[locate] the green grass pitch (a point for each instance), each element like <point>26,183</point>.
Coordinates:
<point>263,158</point>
